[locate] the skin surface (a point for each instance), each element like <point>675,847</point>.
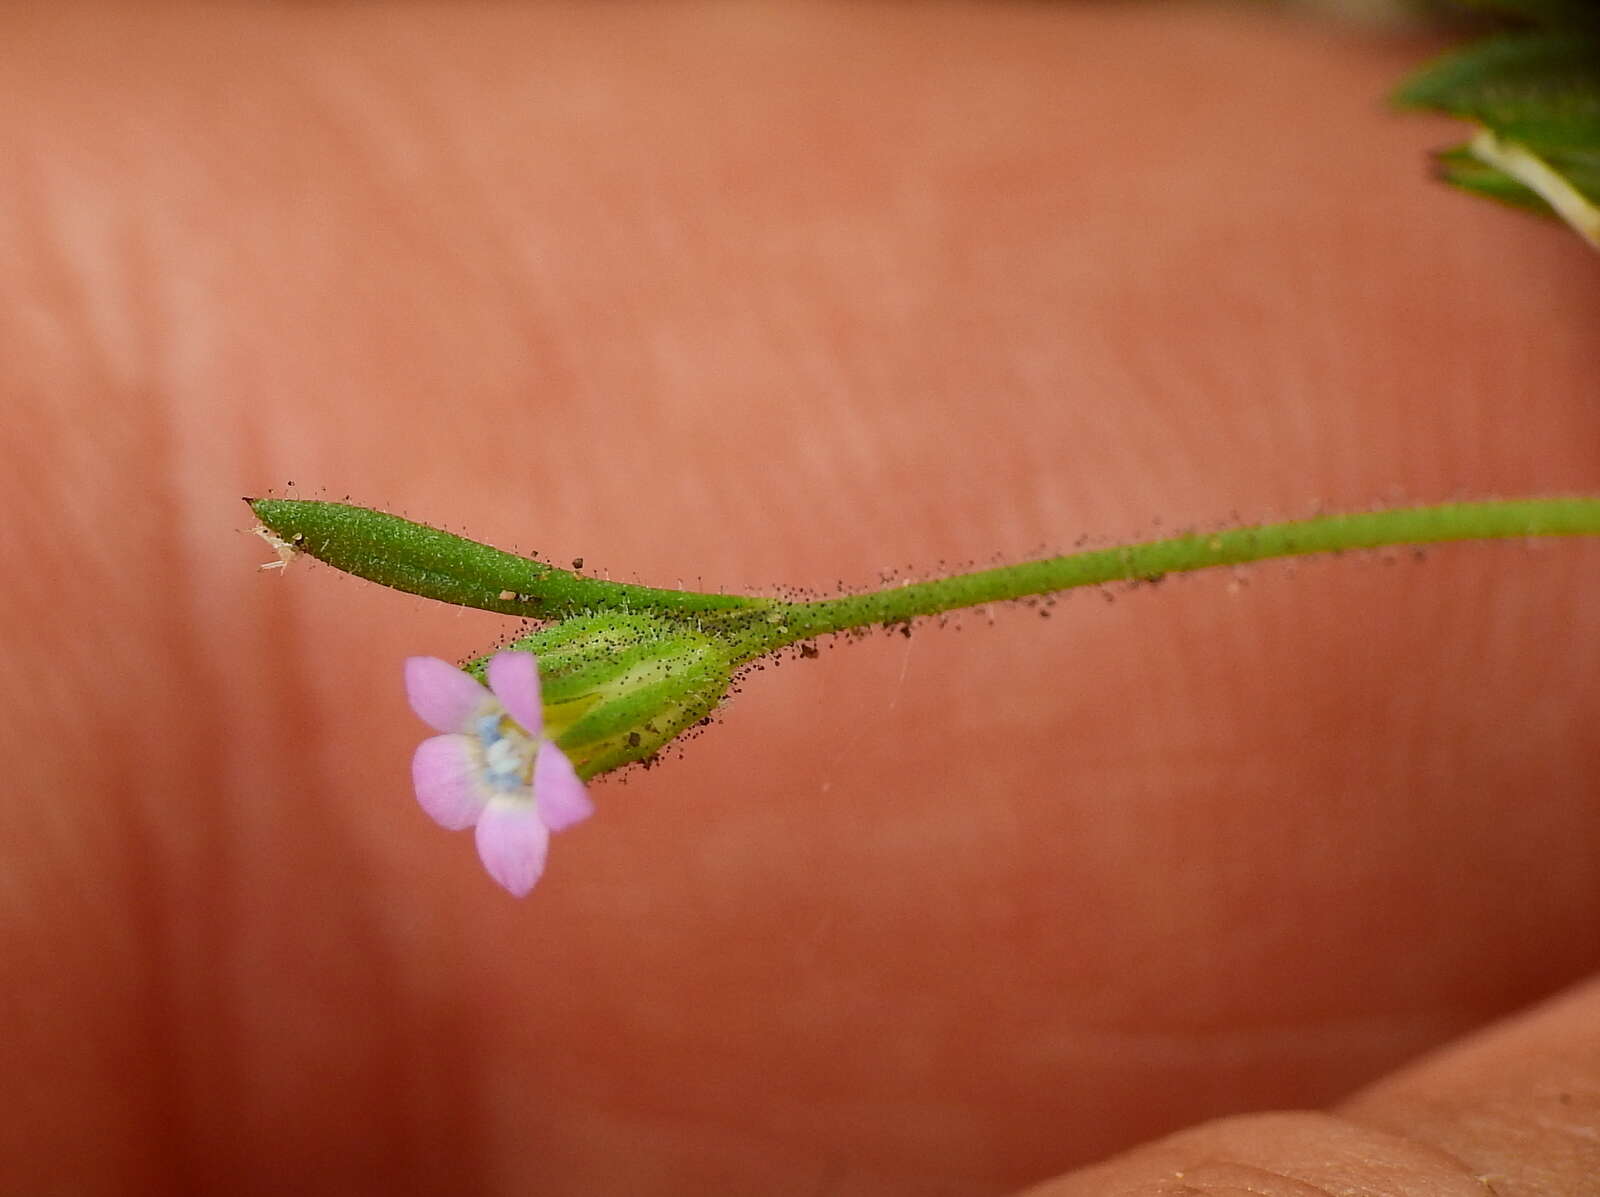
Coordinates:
<point>770,295</point>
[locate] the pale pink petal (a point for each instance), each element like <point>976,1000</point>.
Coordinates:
<point>514,678</point>
<point>557,791</point>
<point>512,842</point>
<point>443,697</point>
<point>445,771</point>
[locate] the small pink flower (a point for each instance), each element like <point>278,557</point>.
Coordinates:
<point>493,769</point>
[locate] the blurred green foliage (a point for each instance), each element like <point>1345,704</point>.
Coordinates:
<point>1534,94</point>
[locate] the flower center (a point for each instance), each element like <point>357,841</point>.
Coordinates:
<point>508,751</point>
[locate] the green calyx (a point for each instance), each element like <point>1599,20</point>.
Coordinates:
<point>617,687</point>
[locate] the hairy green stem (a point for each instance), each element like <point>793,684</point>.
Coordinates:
<point>441,565</point>
<point>1151,560</point>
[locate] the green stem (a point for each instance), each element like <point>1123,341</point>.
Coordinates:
<point>1149,561</point>
<point>426,561</point>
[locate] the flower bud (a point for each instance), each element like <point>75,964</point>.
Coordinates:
<point>618,686</point>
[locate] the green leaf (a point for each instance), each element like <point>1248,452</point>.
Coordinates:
<point>417,559</point>
<point>1548,12</point>
<point>1536,100</point>
<point>1460,167</point>
<point>1539,89</point>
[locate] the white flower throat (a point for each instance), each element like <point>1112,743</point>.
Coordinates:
<point>508,751</point>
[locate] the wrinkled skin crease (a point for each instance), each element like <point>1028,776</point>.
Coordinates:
<point>777,295</point>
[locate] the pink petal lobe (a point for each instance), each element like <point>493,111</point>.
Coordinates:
<point>514,678</point>
<point>512,842</point>
<point>443,697</point>
<point>559,794</point>
<point>445,772</point>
